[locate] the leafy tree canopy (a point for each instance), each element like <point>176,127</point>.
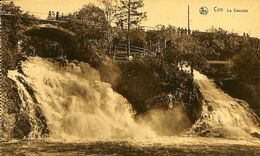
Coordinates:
<point>136,14</point>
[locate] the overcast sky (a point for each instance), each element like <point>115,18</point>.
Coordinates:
<point>173,12</point>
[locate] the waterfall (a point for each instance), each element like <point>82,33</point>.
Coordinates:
<point>69,102</point>
<point>223,115</point>
<point>76,104</point>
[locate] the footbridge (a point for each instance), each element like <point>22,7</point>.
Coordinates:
<point>52,32</point>
<point>46,28</point>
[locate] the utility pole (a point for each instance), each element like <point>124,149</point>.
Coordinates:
<point>129,27</point>
<point>188,19</point>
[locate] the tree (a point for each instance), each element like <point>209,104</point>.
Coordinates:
<point>138,38</point>
<point>11,32</point>
<point>157,39</point>
<point>133,7</point>
<point>129,12</point>
<point>92,14</point>
<point>223,44</point>
<point>247,63</point>
<point>109,8</point>
<point>91,26</point>
<point>247,70</point>
<point>186,50</point>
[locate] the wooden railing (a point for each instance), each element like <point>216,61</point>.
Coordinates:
<point>133,49</point>
<point>219,62</point>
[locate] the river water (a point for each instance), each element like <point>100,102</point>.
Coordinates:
<point>85,116</point>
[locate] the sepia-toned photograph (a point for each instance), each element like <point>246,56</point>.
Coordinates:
<point>130,77</point>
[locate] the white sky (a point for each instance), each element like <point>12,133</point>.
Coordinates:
<point>173,12</point>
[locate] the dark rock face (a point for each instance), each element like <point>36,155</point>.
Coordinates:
<point>13,98</point>
<point>44,131</point>
<point>10,106</point>
<point>22,127</point>
<point>256,135</point>
<point>41,120</point>
<point>149,84</point>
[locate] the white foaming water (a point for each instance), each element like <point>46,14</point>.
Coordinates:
<point>222,114</point>
<point>77,105</point>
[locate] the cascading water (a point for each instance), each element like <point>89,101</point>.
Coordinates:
<point>221,114</point>
<point>78,106</point>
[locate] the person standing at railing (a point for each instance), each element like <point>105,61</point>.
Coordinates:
<point>53,15</point>
<point>49,15</point>
<point>57,15</point>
